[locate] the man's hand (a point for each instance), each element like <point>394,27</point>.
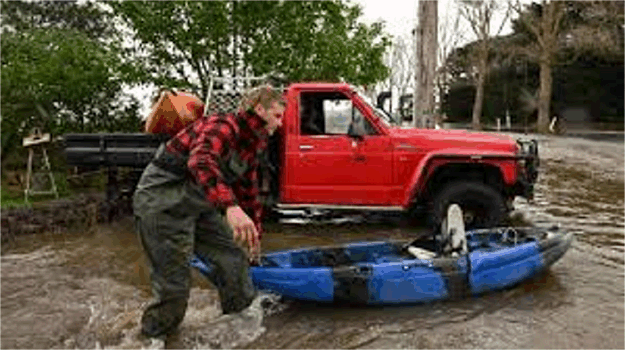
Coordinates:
<point>243,227</point>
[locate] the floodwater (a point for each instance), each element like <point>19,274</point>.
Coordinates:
<point>86,291</point>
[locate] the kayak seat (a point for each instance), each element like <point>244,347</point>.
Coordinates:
<point>370,252</point>
<point>329,257</point>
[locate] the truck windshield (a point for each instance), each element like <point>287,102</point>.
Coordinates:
<point>386,118</point>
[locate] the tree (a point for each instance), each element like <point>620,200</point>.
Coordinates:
<point>588,57</point>
<point>178,43</point>
<point>480,15</point>
<point>450,35</point>
<point>593,28</point>
<point>557,33</point>
<point>60,71</point>
<point>318,40</point>
<point>544,24</point>
<point>88,17</point>
<point>183,43</point>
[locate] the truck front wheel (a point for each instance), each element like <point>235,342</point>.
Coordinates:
<point>482,206</point>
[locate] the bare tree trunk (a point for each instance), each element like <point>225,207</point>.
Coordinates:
<point>482,57</point>
<point>423,106</point>
<point>479,98</point>
<point>544,102</point>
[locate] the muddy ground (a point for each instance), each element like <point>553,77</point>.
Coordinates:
<point>86,289</point>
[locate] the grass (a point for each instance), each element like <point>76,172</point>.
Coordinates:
<point>14,198</point>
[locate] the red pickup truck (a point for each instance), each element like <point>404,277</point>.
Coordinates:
<point>337,151</point>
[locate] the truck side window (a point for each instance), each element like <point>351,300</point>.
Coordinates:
<point>330,114</point>
<point>311,118</point>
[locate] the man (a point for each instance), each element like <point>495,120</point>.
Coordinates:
<point>199,195</point>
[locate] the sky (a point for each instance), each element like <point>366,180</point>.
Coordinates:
<point>400,15</point>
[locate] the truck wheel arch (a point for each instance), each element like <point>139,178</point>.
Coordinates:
<point>434,171</point>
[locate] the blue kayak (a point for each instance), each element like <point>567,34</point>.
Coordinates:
<point>389,272</point>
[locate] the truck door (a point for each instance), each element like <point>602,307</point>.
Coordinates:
<point>372,159</point>
<point>329,167</point>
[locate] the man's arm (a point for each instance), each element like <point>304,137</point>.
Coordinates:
<point>211,145</point>
<point>248,195</point>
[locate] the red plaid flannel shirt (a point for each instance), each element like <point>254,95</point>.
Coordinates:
<point>215,138</point>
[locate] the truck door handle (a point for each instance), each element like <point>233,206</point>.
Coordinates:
<point>305,147</point>
<point>360,158</point>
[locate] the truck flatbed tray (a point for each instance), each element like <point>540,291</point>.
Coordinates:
<point>129,150</point>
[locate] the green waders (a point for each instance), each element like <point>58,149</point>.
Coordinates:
<point>173,222</point>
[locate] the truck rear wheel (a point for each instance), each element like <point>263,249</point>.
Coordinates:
<point>482,206</point>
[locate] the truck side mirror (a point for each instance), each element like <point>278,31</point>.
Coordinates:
<point>354,134</point>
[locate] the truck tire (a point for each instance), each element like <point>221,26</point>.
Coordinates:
<point>482,206</point>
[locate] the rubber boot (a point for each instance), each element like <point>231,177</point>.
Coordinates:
<point>454,232</point>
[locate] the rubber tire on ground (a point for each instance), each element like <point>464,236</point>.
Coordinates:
<point>469,194</point>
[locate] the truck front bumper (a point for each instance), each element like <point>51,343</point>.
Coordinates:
<point>528,162</point>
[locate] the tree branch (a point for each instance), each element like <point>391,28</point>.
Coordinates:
<point>531,25</point>
<point>504,21</point>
